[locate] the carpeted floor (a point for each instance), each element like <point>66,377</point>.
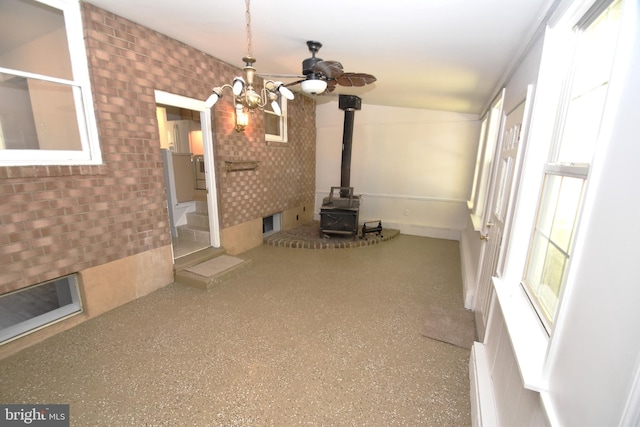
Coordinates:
<point>303,338</point>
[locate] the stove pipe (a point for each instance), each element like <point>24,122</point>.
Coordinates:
<point>348,103</point>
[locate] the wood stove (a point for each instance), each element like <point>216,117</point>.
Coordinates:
<point>339,213</point>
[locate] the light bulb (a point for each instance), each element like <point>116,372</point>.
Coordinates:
<point>238,85</point>
<point>284,90</point>
<point>276,107</point>
<point>211,100</point>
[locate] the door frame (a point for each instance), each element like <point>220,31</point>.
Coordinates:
<point>174,100</point>
<point>496,232</point>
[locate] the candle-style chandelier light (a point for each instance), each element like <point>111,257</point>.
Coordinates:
<point>246,96</point>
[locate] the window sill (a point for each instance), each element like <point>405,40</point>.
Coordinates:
<point>528,338</point>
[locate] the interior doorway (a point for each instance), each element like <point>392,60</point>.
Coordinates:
<point>186,141</point>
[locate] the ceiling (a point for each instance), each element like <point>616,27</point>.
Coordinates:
<point>449,55</point>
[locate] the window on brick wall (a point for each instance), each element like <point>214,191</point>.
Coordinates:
<point>29,309</point>
<point>275,125</point>
<point>46,109</point>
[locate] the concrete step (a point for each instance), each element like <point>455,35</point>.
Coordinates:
<point>212,272</point>
<point>198,220</point>
<point>201,207</point>
<point>196,258</point>
<point>195,233</point>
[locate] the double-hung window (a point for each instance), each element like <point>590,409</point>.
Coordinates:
<point>275,124</point>
<point>46,108</point>
<point>486,149</point>
<point>566,173</point>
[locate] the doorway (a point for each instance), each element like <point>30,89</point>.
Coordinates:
<point>186,140</point>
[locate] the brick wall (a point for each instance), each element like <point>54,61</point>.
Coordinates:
<point>57,220</point>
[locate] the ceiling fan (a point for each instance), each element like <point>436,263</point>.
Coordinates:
<point>320,77</point>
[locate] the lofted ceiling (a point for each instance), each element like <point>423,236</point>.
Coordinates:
<point>449,55</point>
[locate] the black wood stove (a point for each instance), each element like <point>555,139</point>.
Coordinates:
<point>339,213</point>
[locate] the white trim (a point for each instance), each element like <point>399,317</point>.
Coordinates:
<point>527,335</point>
<point>36,323</point>
<point>468,280</point>
<point>179,101</point>
<point>631,413</point>
<point>284,137</point>
<point>406,197</point>
<point>483,407</point>
<point>88,130</point>
<point>209,163</point>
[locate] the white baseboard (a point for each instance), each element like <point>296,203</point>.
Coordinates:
<point>483,408</point>
<point>424,231</point>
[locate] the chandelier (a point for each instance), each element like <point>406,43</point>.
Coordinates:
<point>245,95</point>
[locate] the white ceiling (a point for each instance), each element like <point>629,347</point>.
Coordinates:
<point>447,55</point>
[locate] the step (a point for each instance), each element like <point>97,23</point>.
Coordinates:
<point>201,207</point>
<point>212,272</point>
<point>198,220</point>
<point>195,258</point>
<point>195,233</point>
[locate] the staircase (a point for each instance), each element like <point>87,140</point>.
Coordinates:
<point>209,266</point>
<point>197,226</point>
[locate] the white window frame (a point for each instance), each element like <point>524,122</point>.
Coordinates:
<point>489,136</point>
<point>33,324</point>
<point>81,87</point>
<point>530,341</point>
<point>570,170</point>
<point>283,136</point>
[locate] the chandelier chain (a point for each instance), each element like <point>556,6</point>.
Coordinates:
<point>248,17</point>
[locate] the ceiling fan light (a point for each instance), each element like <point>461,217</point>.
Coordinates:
<point>313,86</point>
<point>238,85</point>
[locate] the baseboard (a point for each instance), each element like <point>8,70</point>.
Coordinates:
<point>417,230</point>
<point>483,409</point>
<point>423,231</point>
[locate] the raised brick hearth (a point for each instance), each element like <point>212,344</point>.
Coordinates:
<point>307,236</point>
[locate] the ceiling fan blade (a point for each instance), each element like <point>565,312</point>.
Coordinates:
<point>294,83</point>
<point>280,76</point>
<point>355,79</point>
<point>330,69</point>
<point>331,85</point>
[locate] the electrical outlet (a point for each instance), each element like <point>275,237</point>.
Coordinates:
<point>406,212</point>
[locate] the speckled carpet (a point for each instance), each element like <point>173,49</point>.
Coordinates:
<point>313,338</point>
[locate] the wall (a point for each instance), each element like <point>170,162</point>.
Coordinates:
<point>58,220</point>
<point>284,179</point>
<point>514,404</point>
<point>595,351</point>
<point>412,167</point>
<point>590,369</point>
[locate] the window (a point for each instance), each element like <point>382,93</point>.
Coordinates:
<point>28,309</point>
<point>486,150</point>
<point>46,109</point>
<point>275,126</point>
<point>566,172</point>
